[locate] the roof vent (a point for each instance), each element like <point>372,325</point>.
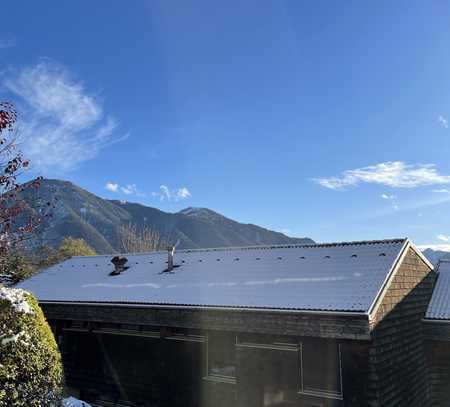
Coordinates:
<point>170,255</point>
<point>119,265</point>
<point>382,254</point>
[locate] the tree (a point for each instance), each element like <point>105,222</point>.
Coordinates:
<point>30,365</point>
<point>17,220</point>
<point>31,373</point>
<point>19,267</point>
<point>145,239</point>
<point>74,247</point>
<point>69,247</point>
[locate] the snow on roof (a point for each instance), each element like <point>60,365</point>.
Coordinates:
<point>439,306</point>
<point>329,277</point>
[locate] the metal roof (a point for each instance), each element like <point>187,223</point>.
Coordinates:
<point>326,277</point>
<point>439,306</point>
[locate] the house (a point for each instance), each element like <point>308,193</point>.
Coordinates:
<point>318,325</point>
<point>437,334</point>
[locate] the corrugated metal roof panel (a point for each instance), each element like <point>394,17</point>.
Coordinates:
<point>328,277</point>
<point>439,307</point>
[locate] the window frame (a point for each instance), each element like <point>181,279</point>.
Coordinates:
<point>216,377</point>
<point>321,392</point>
<point>275,345</point>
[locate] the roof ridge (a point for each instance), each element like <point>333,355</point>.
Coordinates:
<point>256,247</point>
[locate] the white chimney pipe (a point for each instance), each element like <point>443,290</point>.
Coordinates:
<point>170,254</point>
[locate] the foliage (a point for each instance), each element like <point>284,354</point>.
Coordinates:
<point>69,247</point>
<point>31,373</point>
<point>74,247</point>
<point>17,221</point>
<point>137,240</point>
<point>19,267</point>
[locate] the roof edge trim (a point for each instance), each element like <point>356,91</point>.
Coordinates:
<point>436,320</point>
<point>256,247</point>
<point>382,291</point>
<point>393,271</point>
<point>207,307</point>
<point>421,255</point>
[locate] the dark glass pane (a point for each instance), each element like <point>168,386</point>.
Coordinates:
<point>222,354</point>
<point>268,377</point>
<point>321,366</point>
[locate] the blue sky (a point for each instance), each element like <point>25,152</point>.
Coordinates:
<point>322,119</point>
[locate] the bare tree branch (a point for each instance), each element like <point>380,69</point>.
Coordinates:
<point>137,240</point>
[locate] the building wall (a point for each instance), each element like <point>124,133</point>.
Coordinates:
<point>397,354</point>
<point>273,376</point>
<point>150,372</point>
<point>141,365</point>
<point>438,368</point>
<point>437,333</point>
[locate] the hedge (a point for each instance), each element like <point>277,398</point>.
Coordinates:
<point>31,373</point>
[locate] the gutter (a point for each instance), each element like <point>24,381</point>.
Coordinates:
<point>435,321</point>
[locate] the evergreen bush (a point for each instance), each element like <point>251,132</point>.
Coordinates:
<point>31,372</point>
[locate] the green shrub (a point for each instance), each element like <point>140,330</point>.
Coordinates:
<point>31,372</point>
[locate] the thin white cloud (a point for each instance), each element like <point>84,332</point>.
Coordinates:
<point>62,124</point>
<point>392,199</point>
<point>128,189</point>
<point>441,191</point>
<point>111,186</point>
<point>444,238</point>
<point>8,41</point>
<point>394,174</point>
<point>388,197</point>
<point>131,189</point>
<point>443,121</point>
<point>167,194</point>
<point>182,193</point>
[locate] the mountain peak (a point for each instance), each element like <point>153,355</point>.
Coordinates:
<point>81,214</point>
<point>194,210</point>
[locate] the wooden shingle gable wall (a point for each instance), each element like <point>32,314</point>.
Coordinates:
<point>397,352</point>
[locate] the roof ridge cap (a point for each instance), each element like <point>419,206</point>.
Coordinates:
<point>259,247</point>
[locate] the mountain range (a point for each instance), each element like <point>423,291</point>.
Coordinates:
<point>435,255</point>
<point>81,214</point>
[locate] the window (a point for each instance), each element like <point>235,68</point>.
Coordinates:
<point>269,372</point>
<point>221,356</point>
<point>321,368</point>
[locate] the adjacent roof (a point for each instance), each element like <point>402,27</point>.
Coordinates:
<point>439,306</point>
<point>328,277</point>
